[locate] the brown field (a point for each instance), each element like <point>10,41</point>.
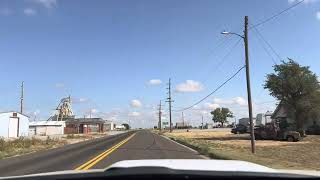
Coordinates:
<point>304,154</point>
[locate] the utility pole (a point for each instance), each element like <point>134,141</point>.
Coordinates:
<point>170,101</point>
<point>160,114</point>
<point>245,38</point>
<point>201,121</point>
<point>182,119</point>
<point>21,98</point>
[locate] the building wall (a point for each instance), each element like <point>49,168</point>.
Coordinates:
<point>245,121</point>
<point>46,130</point>
<point>4,124</point>
<point>109,126</point>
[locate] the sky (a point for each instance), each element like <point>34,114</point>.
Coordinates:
<point>115,57</point>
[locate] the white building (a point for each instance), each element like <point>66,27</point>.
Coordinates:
<point>109,125</point>
<point>44,128</point>
<point>120,127</point>
<point>13,124</point>
<point>246,122</point>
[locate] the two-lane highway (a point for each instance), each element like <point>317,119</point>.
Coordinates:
<point>97,154</point>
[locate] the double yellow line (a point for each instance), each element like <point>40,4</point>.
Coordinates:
<point>101,156</point>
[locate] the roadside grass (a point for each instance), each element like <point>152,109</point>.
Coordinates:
<point>24,145</point>
<point>276,154</point>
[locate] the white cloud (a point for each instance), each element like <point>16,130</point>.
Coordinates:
<point>212,106</point>
<point>59,85</point>
<point>233,101</point>
<point>189,86</point>
<point>154,82</point>
<point>318,15</point>
<point>46,3</point>
<point>135,103</point>
<point>29,12</point>
<point>305,1</point>
<point>6,11</point>
<point>134,114</point>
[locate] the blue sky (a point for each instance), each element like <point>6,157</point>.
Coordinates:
<point>104,53</point>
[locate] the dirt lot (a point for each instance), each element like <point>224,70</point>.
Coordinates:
<point>276,154</point>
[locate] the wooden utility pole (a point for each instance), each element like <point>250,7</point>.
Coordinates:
<point>182,119</point>
<point>160,114</point>
<point>245,38</point>
<point>170,101</point>
<point>202,122</point>
<point>21,98</point>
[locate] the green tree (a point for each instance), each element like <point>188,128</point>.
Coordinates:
<point>297,87</point>
<point>220,115</point>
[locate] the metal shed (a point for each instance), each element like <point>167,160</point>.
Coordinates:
<point>13,124</point>
<point>44,128</point>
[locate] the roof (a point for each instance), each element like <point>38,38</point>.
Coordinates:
<point>277,109</point>
<point>85,120</point>
<point>46,123</point>
<point>14,112</point>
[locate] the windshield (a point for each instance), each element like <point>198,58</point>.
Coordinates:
<point>86,84</point>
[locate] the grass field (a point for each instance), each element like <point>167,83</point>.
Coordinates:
<point>276,154</point>
<point>24,145</point>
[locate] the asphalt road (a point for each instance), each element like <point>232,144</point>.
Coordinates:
<point>97,154</point>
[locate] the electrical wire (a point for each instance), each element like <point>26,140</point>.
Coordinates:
<point>266,50</point>
<point>222,60</point>
<point>219,87</point>
<point>268,44</point>
<point>276,15</point>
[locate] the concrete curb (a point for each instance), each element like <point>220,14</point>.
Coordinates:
<point>202,156</point>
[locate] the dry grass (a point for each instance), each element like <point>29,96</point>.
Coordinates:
<point>276,154</point>
<point>23,145</point>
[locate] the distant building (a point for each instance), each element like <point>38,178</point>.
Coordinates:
<point>109,125</point>
<point>246,121</point>
<point>259,119</point>
<point>263,118</point>
<point>84,126</point>
<point>13,124</point>
<point>120,127</point>
<point>182,125</point>
<point>208,126</point>
<point>44,128</point>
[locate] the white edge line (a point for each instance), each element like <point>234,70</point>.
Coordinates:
<point>202,156</point>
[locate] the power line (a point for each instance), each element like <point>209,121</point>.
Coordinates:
<point>276,15</point>
<point>268,44</point>
<point>213,90</point>
<point>266,50</point>
<point>222,60</point>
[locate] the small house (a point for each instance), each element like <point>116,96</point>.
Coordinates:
<point>44,128</point>
<point>13,124</point>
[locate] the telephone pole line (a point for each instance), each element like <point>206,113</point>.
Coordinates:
<point>160,114</point>
<point>182,119</point>
<point>245,38</point>
<point>170,101</point>
<point>21,98</point>
<point>201,121</point>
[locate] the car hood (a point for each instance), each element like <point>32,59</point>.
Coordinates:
<point>195,165</point>
<point>176,164</point>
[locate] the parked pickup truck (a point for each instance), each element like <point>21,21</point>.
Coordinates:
<point>272,132</point>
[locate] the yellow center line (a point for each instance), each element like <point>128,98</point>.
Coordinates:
<point>101,156</point>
